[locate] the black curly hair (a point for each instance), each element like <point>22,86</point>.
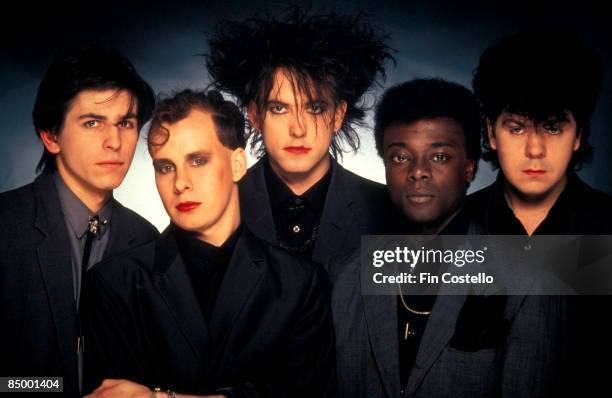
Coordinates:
<point>428,99</point>
<point>541,76</point>
<point>334,54</point>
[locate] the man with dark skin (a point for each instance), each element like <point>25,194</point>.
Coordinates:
<point>406,344</point>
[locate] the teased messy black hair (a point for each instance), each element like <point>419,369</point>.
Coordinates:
<point>341,54</point>
<point>539,76</point>
<point>429,99</point>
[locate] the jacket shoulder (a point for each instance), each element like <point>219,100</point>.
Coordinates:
<point>143,229</point>
<point>17,205</point>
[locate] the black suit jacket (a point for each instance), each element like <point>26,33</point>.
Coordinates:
<point>270,332</point>
<point>354,206</point>
<point>37,308</point>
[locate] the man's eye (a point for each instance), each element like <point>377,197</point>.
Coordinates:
<point>278,109</point>
<point>91,123</point>
<point>554,130</point>
<point>126,124</point>
<point>516,130</point>
<point>164,168</point>
<point>199,161</point>
<point>398,158</point>
<point>440,157</point>
<point>316,109</point>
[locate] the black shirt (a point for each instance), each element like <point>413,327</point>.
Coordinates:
<point>206,265</point>
<point>579,210</point>
<point>296,217</point>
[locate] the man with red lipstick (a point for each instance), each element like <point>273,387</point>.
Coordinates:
<point>537,94</point>
<point>537,126</point>
<point>300,79</point>
<point>207,308</point>
<point>88,112</point>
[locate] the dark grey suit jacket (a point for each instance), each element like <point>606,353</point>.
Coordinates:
<point>354,206</point>
<point>37,308</point>
<point>524,363</point>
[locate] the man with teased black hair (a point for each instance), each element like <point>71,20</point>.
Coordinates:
<point>301,79</point>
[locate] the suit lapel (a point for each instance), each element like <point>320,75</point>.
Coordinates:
<point>336,219</point>
<point>122,233</point>
<point>176,289</point>
<point>381,320</point>
<point>241,278</point>
<point>56,269</point>
<point>438,332</point>
<point>256,211</point>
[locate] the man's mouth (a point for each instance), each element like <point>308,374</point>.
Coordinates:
<point>419,198</point>
<point>297,149</point>
<point>187,206</point>
<point>534,172</point>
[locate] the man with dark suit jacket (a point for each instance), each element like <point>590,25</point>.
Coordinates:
<point>301,80</point>
<point>88,112</point>
<point>537,130</point>
<point>463,344</point>
<point>207,308</point>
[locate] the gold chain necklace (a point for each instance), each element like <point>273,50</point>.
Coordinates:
<point>408,332</point>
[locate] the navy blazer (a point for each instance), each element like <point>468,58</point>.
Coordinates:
<point>354,206</point>
<point>37,307</point>
<point>269,335</point>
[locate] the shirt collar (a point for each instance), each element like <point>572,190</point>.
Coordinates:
<point>280,193</point>
<point>76,213</point>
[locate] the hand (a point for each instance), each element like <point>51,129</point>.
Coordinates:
<point>120,388</point>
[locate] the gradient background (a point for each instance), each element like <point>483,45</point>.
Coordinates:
<point>439,39</point>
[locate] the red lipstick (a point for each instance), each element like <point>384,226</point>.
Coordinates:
<point>533,172</point>
<point>298,150</point>
<point>187,206</point>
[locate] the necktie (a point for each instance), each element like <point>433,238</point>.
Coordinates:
<point>93,228</point>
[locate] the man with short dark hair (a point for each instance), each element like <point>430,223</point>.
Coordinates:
<point>301,79</point>
<point>89,109</point>
<point>207,308</point>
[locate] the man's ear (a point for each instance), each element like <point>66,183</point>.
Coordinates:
<point>491,135</point>
<point>469,170</point>
<point>50,141</point>
<point>253,116</point>
<point>578,140</point>
<point>339,115</point>
<point>239,164</point>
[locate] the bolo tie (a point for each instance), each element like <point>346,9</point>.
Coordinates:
<point>93,228</point>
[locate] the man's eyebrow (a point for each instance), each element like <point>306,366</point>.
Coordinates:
<point>161,161</point>
<point>130,115</point>
<point>441,144</point>
<point>198,154</point>
<point>396,144</point>
<point>516,120</point>
<point>276,102</point>
<point>92,116</point>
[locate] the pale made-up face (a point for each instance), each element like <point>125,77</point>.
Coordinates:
<point>196,176</point>
<point>297,132</point>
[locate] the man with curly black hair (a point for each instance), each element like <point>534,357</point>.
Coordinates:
<point>537,113</point>
<point>536,128</point>
<point>301,79</point>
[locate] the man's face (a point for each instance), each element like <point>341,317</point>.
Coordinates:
<point>297,132</point>
<point>427,168</point>
<point>96,143</point>
<point>196,175</point>
<point>534,158</point>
